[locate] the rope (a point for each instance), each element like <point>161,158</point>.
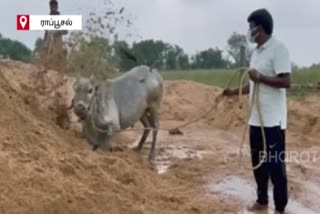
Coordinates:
<point>176,129</point>
<point>255,98</point>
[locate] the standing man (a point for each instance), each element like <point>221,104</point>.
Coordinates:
<point>54,54</point>
<point>270,67</point>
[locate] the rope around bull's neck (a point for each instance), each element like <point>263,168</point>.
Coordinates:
<point>219,98</point>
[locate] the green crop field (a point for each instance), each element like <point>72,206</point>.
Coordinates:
<point>221,77</point>
<point>211,77</point>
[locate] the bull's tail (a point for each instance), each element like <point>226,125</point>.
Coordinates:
<point>130,55</point>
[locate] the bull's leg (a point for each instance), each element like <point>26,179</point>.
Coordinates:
<point>83,131</point>
<point>154,122</point>
<point>145,122</point>
<point>96,143</point>
<point>98,140</point>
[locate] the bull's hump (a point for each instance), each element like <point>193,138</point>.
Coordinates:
<point>137,75</point>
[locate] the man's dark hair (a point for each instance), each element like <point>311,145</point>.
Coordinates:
<point>53,2</point>
<point>262,17</point>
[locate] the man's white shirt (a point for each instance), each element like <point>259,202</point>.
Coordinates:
<point>271,59</point>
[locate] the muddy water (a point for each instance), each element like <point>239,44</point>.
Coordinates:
<point>172,148</point>
<point>167,156</point>
<point>193,144</point>
<point>214,144</point>
<point>243,190</point>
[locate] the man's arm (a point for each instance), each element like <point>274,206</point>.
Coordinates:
<point>281,81</point>
<point>282,68</point>
<point>233,92</point>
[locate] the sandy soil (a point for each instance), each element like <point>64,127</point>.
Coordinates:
<point>45,167</point>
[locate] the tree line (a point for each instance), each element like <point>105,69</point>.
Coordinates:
<point>14,50</point>
<point>173,57</point>
<point>165,56</point>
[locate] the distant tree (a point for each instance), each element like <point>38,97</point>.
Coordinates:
<point>210,58</point>
<point>38,44</point>
<point>92,57</point>
<point>14,50</point>
<point>183,61</point>
<point>235,42</point>
<point>167,56</point>
<point>170,58</point>
<point>176,58</point>
<point>315,66</point>
<point>294,66</point>
<point>149,52</point>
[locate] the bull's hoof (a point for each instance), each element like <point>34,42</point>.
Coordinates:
<point>95,147</point>
<point>118,149</point>
<point>151,160</point>
<point>152,164</point>
<point>137,149</point>
<point>175,131</point>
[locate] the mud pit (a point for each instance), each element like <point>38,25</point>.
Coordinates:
<point>47,169</point>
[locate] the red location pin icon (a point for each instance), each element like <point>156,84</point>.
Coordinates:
<point>23,22</point>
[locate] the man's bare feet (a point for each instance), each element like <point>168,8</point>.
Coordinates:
<point>257,207</point>
<point>278,212</point>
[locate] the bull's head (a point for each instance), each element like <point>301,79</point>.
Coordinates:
<point>84,89</point>
<point>103,109</point>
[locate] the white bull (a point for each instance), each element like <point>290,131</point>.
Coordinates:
<point>117,104</point>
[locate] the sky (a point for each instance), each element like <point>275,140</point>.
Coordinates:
<point>194,25</point>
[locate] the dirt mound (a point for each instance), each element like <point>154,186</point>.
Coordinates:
<point>48,169</point>
<point>45,169</point>
<point>43,89</point>
<point>304,116</point>
<point>186,100</point>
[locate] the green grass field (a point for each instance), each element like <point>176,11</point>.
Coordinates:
<point>306,76</point>
<point>210,77</point>
<point>221,77</point>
